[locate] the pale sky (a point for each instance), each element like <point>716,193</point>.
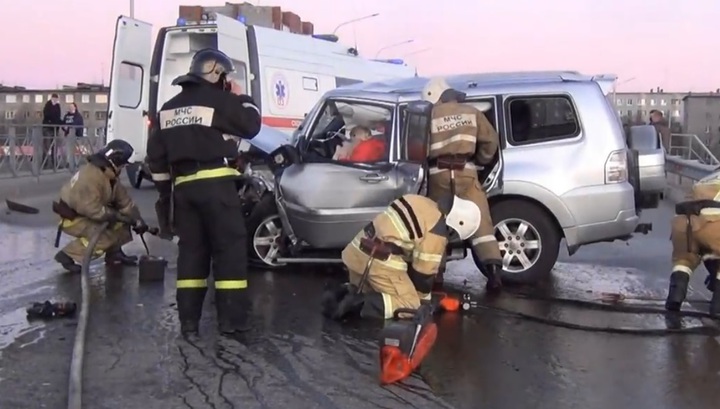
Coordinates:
<point>672,44</point>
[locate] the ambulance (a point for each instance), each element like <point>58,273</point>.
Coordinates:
<point>285,73</point>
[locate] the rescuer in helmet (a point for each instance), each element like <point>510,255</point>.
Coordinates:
<point>95,195</point>
<point>401,251</point>
<point>191,154</point>
<point>462,140</point>
<point>695,237</point>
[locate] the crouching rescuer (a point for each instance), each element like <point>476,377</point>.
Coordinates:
<point>191,154</point>
<point>95,195</point>
<point>461,140</point>
<point>393,261</point>
<point>695,237</point>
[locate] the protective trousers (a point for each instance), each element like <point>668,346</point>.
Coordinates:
<point>113,238</point>
<point>467,186</point>
<point>704,237</point>
<point>211,230</point>
<point>388,286</point>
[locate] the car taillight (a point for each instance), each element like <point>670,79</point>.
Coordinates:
<point>616,167</point>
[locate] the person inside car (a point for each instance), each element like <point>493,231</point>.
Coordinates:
<point>367,149</point>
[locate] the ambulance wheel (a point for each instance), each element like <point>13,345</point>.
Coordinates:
<point>529,240</point>
<point>265,233</point>
<point>135,175</point>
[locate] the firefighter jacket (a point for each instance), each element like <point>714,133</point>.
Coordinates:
<point>95,192</point>
<point>707,189</point>
<point>414,224</point>
<point>198,130</point>
<point>461,129</point>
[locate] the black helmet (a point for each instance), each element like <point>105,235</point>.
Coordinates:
<point>117,152</point>
<point>209,64</point>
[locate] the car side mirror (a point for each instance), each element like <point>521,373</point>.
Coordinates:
<point>644,138</point>
<point>283,157</point>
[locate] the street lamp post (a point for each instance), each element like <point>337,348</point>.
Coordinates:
<point>392,45</point>
<point>355,20</point>
<point>132,8</point>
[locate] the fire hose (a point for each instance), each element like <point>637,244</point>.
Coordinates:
<point>611,302</point>
<point>78,354</point>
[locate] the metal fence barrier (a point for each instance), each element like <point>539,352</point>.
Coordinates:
<point>689,159</point>
<point>45,149</point>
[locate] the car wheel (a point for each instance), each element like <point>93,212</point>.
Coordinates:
<point>135,175</point>
<point>529,241</point>
<point>265,230</point>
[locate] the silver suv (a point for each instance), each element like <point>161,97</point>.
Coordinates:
<point>564,170</point>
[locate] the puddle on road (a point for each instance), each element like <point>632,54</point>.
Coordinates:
<point>14,325</point>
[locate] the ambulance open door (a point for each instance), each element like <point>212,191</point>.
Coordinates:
<point>233,40</point>
<point>129,85</point>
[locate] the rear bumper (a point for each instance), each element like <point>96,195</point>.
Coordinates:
<point>601,212</point>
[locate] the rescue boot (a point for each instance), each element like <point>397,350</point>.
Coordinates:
<point>331,297</point>
<point>67,262</point>
<point>492,273</point>
<point>116,257</point>
<point>232,311</point>
<point>190,303</point>
<point>678,290</point>
<point>350,305</point>
<point>715,301</point>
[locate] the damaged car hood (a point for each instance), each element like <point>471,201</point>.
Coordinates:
<point>267,140</point>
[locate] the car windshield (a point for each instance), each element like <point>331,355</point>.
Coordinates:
<point>344,125</point>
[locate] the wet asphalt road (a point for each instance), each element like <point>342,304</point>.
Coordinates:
<point>296,359</point>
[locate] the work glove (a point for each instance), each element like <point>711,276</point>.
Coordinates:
<point>140,227</point>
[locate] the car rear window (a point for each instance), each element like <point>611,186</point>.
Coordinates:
<point>536,119</point>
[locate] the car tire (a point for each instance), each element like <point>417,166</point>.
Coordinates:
<point>264,212</point>
<point>135,175</point>
<point>540,228</point>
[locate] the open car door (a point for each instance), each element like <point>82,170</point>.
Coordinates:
<point>327,202</point>
<point>232,40</point>
<point>130,84</point>
<point>491,175</point>
<point>413,148</point>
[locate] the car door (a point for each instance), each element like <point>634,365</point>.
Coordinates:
<point>129,84</point>
<point>327,201</point>
<point>492,175</point>
<point>412,147</point>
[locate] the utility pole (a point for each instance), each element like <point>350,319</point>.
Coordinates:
<point>132,8</point>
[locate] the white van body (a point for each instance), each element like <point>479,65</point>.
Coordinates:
<point>285,73</point>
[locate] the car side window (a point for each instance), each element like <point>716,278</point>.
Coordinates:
<point>352,132</point>
<point>536,119</point>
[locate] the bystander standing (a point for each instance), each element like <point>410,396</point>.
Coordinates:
<point>52,118</point>
<point>73,130</point>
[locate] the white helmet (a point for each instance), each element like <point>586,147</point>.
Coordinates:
<point>464,217</point>
<point>434,89</point>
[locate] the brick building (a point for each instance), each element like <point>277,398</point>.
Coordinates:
<point>21,106</point>
<point>263,16</point>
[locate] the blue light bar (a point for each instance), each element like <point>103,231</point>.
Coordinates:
<point>395,61</point>
<point>181,21</point>
<point>241,18</point>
